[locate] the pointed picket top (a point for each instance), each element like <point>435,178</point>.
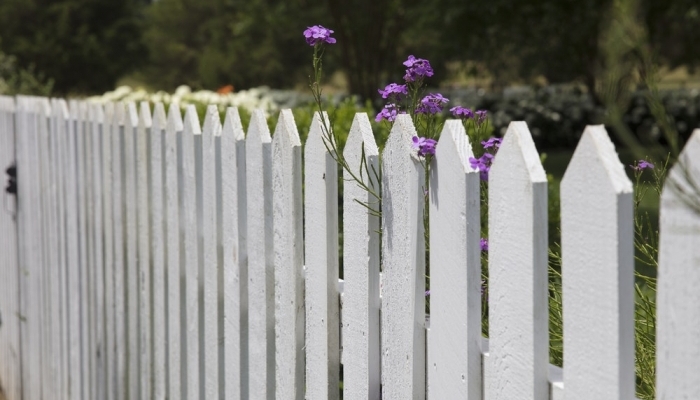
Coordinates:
<point>518,330</point>
<point>678,314</point>
<point>315,142</point>
<point>595,148</point>
<point>159,119</point>
<point>109,115</point>
<point>286,130</point>
<point>44,107</point>
<point>454,339</point>
<point>131,116</point>
<point>403,247</point>
<point>321,262</point>
<point>454,140</point>
<point>145,120</point>
<point>174,123</point>
<point>233,229</point>
<point>98,113</point>
<point>597,268</point>
<point>191,121</point>
<point>62,109</point>
<point>233,125</point>
<point>360,134</point>
<point>212,122</point>
<point>258,131</point>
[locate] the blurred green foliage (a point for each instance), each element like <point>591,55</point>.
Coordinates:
<point>83,45</point>
<point>15,80</point>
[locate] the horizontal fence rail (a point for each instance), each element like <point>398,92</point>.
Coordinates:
<point>148,256</point>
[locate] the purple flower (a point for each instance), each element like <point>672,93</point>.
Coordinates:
<point>642,165</point>
<point>492,142</point>
<point>480,115</point>
<point>389,113</point>
<point>424,146</point>
<point>484,244</point>
<point>427,293</point>
<point>431,104</point>
<point>462,112</point>
<point>318,35</point>
<point>394,89</point>
<point>482,164</point>
<point>417,68</point>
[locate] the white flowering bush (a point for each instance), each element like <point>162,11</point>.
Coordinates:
<point>248,100</point>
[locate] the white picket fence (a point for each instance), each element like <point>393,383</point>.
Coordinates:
<point>147,258</point>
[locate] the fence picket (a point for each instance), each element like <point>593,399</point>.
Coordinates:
<point>361,347</point>
<point>143,213</point>
<point>321,260</point>
<point>97,260</point>
<point>518,359</point>
<point>597,269</point>
<point>9,267</point>
<point>50,231</point>
<point>210,267</point>
<point>678,316</point>
<point>454,338</point>
<point>157,223</point>
<point>288,259</point>
<point>403,248</point>
<point>175,261</point>
<point>235,256</point>
<point>119,212</point>
<point>189,222</point>
<point>261,343</point>
<point>130,186</point>
<point>106,134</point>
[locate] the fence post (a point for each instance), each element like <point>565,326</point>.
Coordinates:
<point>361,344</point>
<point>597,269</point>
<point>678,314</point>
<point>454,338</point>
<point>403,249</point>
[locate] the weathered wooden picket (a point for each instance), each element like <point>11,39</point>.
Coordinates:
<point>145,257</point>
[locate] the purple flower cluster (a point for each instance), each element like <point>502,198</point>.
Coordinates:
<point>466,113</point>
<point>393,89</point>
<point>482,164</point>
<point>417,68</point>
<point>462,112</point>
<point>484,244</point>
<point>642,165</point>
<point>424,146</point>
<point>318,35</point>
<point>431,104</point>
<point>389,113</point>
<point>493,142</point>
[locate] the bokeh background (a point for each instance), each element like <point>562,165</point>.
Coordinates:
<point>557,64</point>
